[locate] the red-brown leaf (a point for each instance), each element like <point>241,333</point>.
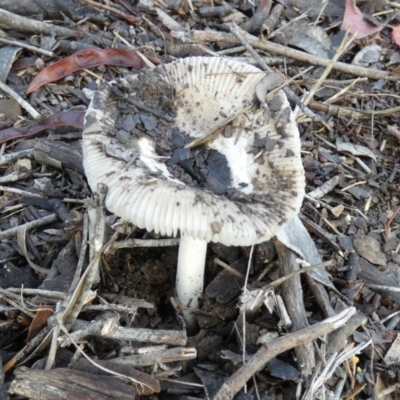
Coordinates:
<point>63,118</point>
<point>353,20</point>
<point>39,321</point>
<point>87,58</point>
<point>396,35</point>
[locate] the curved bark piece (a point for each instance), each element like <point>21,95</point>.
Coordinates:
<point>87,58</point>
<point>63,118</point>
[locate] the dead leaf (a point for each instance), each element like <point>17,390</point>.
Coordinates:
<point>21,240</point>
<point>393,354</point>
<point>40,320</point>
<point>87,58</point>
<point>396,35</point>
<point>63,118</point>
<point>354,149</point>
<point>8,55</point>
<point>282,370</point>
<point>314,8</point>
<point>296,237</point>
<point>353,20</point>
<point>312,39</point>
<point>368,55</point>
<point>393,130</point>
<point>269,82</point>
<point>370,249</point>
<point>10,111</point>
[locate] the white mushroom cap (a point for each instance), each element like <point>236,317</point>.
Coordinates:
<point>208,91</point>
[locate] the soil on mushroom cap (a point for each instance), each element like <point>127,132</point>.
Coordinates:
<point>200,167</point>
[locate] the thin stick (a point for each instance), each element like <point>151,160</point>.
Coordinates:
<point>236,32</point>
<point>114,373</point>
<point>97,225</point>
<point>273,92</point>
<point>342,48</point>
<point>83,31</point>
<point>279,281</point>
<point>29,225</point>
<point>20,192</point>
<point>113,10</point>
<point>24,24</point>
<point>277,346</point>
<point>209,135</point>
<point>352,113</point>
<point>28,108</point>
<point>138,104</point>
<point>228,268</point>
<point>244,312</point>
<point>54,344</point>
<point>242,37</point>
<point>7,158</point>
<point>214,36</point>
<point>40,292</point>
<point>27,46</point>
<point>10,299</point>
<point>133,48</point>
<point>82,256</point>
<point>129,243</point>
<point>76,300</point>
<point>343,91</point>
<point>382,287</point>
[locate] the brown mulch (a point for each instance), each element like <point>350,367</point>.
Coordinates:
<point>70,330</point>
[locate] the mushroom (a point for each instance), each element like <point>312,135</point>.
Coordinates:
<point>189,148</point>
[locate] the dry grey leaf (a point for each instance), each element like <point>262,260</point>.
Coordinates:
<point>295,237</point>
<point>368,55</point>
<point>21,239</point>
<point>312,39</point>
<point>314,7</point>
<point>8,54</point>
<point>268,83</point>
<point>354,149</point>
<point>370,249</point>
<point>393,354</point>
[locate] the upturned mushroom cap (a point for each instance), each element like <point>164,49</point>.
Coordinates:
<point>254,183</point>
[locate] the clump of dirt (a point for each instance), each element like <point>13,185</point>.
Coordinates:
<point>153,89</point>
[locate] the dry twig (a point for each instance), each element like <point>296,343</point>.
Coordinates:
<point>213,36</point>
<point>273,348</point>
<point>24,24</point>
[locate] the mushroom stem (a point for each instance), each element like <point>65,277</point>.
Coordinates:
<point>190,276</point>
